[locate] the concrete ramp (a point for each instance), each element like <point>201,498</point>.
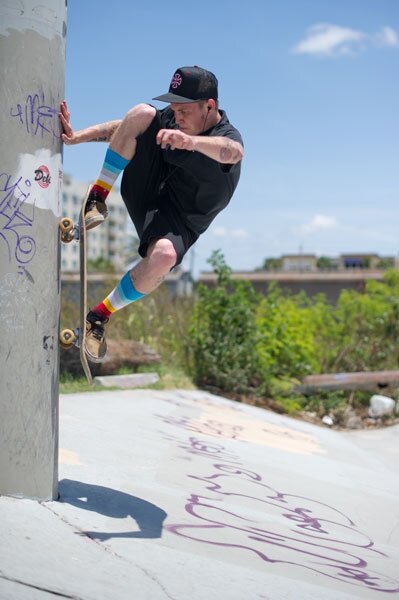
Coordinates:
<point>184,495</point>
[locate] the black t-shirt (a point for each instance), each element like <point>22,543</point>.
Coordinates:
<point>199,186</point>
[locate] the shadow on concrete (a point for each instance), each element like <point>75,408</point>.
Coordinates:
<point>116,505</point>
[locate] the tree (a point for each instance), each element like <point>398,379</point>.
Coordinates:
<point>271,264</point>
<point>324,262</point>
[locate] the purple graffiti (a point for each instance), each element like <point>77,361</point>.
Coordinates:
<point>208,427</point>
<point>229,507</point>
<point>16,217</point>
<point>38,117</point>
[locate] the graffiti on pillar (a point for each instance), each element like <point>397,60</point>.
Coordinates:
<point>238,510</point>
<point>16,218</point>
<point>37,117</point>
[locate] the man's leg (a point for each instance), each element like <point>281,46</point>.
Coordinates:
<point>144,278</point>
<point>120,152</point>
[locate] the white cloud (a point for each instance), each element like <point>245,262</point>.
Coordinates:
<point>319,223</point>
<point>327,39</point>
<point>387,36</point>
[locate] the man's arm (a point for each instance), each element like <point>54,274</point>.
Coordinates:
<point>96,133</point>
<point>222,149</point>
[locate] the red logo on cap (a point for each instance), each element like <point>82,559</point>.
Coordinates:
<point>176,81</point>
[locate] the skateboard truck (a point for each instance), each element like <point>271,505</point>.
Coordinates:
<point>69,230</point>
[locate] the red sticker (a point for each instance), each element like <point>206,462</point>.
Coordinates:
<point>42,176</point>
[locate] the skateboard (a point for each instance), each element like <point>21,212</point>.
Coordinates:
<point>77,337</point>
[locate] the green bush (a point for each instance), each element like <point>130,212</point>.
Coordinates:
<point>232,338</point>
<point>223,332</point>
<point>286,345</point>
<point>159,321</point>
<point>365,334</point>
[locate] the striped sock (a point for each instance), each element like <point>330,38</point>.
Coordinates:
<point>121,296</point>
<point>113,164</point>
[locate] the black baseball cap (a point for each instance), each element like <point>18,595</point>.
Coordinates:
<point>190,84</point>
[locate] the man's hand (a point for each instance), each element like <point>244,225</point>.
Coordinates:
<point>68,137</point>
<point>175,139</point>
<point>221,149</point>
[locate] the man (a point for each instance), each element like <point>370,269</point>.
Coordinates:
<point>180,167</point>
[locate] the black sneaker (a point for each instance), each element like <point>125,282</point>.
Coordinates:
<point>96,211</point>
<point>95,344</point>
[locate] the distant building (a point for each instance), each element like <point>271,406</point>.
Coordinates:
<point>365,261</point>
<point>312,283</point>
<point>306,272</point>
<point>299,262</point>
<point>107,241</point>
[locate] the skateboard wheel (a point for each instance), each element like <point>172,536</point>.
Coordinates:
<point>66,238</point>
<point>67,338</point>
<point>66,225</point>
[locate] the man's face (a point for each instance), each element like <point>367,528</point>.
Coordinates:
<point>190,117</point>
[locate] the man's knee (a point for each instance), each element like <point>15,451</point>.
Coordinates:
<point>163,255</point>
<point>139,118</point>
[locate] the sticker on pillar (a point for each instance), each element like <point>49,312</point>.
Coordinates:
<point>42,176</point>
<point>43,167</point>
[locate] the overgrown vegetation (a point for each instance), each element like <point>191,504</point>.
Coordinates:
<point>234,340</point>
<point>223,333</point>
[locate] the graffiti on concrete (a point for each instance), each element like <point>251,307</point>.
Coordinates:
<point>221,422</point>
<point>16,218</point>
<point>37,117</point>
<point>236,509</point>
<point>208,427</point>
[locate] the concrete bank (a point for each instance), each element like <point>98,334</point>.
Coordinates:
<point>182,494</point>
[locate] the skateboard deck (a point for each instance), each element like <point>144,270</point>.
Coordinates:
<point>77,337</point>
<point>83,288</point>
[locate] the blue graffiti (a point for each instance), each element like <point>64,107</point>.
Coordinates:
<point>16,216</point>
<point>37,117</point>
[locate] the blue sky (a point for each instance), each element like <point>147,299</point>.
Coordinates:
<point>312,85</point>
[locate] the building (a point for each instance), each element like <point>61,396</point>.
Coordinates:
<point>107,241</point>
<point>331,284</point>
<point>299,262</point>
<point>296,273</point>
<point>365,261</point>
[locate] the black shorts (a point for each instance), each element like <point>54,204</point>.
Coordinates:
<point>150,208</point>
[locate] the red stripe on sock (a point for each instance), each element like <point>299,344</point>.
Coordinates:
<point>99,190</point>
<point>102,310</point>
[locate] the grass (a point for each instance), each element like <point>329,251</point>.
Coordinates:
<point>170,377</point>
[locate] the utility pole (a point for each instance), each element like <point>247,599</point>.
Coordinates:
<point>32,64</point>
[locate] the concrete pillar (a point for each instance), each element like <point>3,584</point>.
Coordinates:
<point>32,60</point>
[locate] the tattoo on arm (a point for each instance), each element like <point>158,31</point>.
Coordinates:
<point>228,154</point>
<point>106,131</point>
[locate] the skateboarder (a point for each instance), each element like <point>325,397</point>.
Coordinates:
<point>180,167</point>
